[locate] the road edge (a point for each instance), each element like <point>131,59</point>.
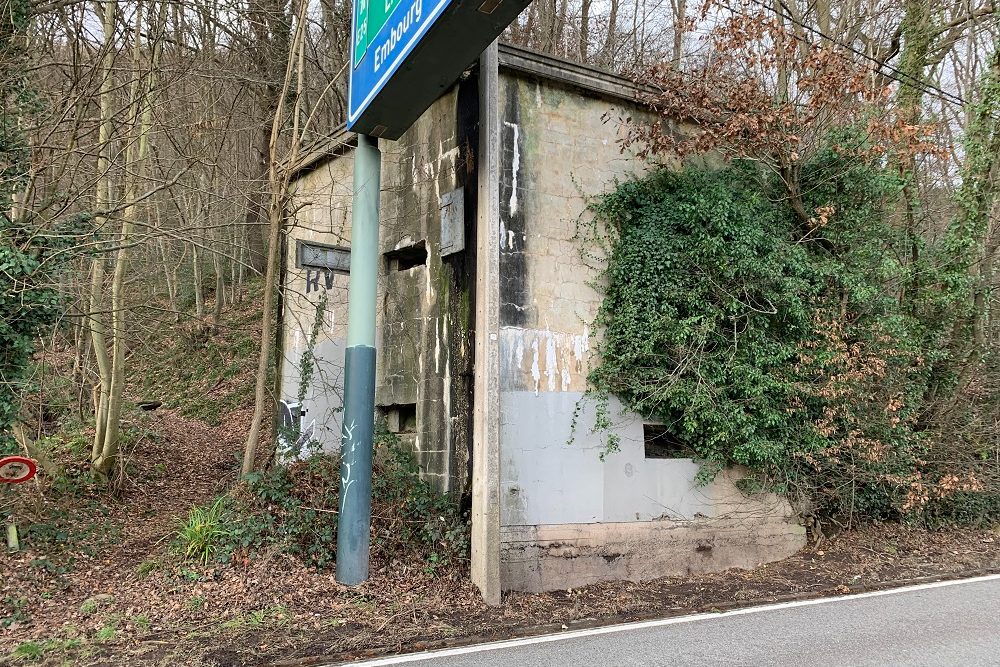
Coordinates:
<point>527,635</point>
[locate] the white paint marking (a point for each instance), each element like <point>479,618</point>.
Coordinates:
<point>428,290</point>
<point>450,155</point>
<point>536,374</point>
<point>515,165</point>
<point>581,344</point>
<point>662,622</point>
<point>550,359</point>
<point>437,345</point>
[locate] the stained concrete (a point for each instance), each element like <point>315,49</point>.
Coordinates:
<point>568,517</point>
<point>490,347</point>
<point>424,319</point>
<point>486,501</point>
<point>553,557</point>
<point>322,199</point>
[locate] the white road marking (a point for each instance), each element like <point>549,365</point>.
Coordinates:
<point>641,625</point>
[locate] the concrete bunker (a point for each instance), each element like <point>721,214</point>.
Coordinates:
<point>484,306</point>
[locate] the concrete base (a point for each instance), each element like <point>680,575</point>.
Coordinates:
<point>554,557</point>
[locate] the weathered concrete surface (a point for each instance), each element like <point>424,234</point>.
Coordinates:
<point>553,557</point>
<point>484,353</point>
<point>425,326</point>
<point>415,364</point>
<point>322,204</point>
<point>568,518</point>
<point>486,502</point>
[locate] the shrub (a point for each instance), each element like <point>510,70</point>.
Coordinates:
<point>799,348</point>
<point>294,509</point>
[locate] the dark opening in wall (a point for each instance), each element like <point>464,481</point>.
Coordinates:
<point>401,418</point>
<point>659,443</point>
<point>407,257</point>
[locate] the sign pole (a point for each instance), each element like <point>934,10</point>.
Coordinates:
<point>356,444</point>
<point>15,470</point>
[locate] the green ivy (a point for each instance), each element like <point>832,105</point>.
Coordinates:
<point>31,250</point>
<point>763,340</point>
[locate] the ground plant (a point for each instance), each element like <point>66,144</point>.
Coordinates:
<point>293,509</point>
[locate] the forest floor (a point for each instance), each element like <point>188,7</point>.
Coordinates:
<point>101,580</point>
<point>99,584</point>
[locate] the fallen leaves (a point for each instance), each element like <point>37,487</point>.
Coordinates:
<point>276,608</point>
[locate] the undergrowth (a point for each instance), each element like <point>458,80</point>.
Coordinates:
<point>293,509</point>
<point>805,350</point>
<point>204,371</point>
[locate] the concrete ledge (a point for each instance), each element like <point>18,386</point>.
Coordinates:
<point>582,77</point>
<point>554,557</point>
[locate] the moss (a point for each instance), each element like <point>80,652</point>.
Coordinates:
<point>465,309</point>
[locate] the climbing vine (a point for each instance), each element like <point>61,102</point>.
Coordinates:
<point>294,441</point>
<point>766,341</point>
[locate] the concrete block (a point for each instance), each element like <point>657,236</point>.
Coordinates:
<point>555,557</point>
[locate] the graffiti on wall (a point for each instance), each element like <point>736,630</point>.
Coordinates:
<point>313,276</point>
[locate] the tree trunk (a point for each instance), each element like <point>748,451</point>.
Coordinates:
<point>102,203</point>
<point>220,290</point>
<point>917,36</point>
<point>199,298</point>
<point>680,20</point>
<point>278,185</point>
<point>608,52</point>
<point>141,112</point>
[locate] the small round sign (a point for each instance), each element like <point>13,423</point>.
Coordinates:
<point>16,469</point>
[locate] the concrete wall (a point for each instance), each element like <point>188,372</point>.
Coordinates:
<point>568,517</point>
<point>424,312</point>
<point>322,203</point>
<point>556,514</point>
<point>426,325</point>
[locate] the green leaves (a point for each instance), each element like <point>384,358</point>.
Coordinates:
<point>699,276</point>
<point>763,341</point>
<point>204,532</point>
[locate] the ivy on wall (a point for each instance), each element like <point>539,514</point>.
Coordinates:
<point>762,340</point>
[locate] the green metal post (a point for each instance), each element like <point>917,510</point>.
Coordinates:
<point>356,445</point>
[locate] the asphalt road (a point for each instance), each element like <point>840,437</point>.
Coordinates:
<point>949,624</point>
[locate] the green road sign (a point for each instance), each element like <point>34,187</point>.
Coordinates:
<point>371,18</point>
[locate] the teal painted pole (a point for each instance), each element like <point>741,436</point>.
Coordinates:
<point>356,446</point>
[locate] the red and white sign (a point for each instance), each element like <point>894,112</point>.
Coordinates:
<point>16,469</point>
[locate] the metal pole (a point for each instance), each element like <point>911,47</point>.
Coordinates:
<point>353,526</point>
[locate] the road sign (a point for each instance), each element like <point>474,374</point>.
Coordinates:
<point>16,469</point>
<point>406,53</point>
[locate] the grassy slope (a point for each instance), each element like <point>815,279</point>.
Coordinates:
<point>204,373</point>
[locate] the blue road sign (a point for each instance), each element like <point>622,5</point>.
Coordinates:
<point>406,53</point>
<point>382,42</point>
